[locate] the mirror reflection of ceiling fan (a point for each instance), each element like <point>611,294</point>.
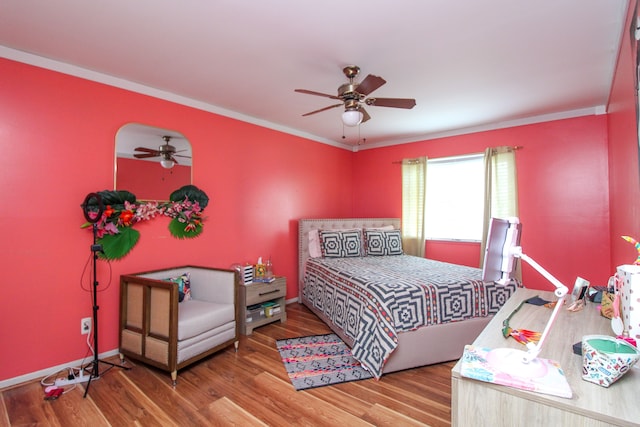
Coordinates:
<point>166,152</point>
<point>353,95</point>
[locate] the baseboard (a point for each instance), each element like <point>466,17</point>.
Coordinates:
<point>292,300</point>
<point>52,370</point>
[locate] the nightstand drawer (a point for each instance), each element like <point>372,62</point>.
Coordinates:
<point>260,292</point>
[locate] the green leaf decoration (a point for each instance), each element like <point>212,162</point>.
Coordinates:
<point>193,193</point>
<point>118,236</point>
<point>116,246</point>
<point>116,198</point>
<point>179,229</point>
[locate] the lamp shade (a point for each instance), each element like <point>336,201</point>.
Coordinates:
<point>167,163</point>
<point>352,117</point>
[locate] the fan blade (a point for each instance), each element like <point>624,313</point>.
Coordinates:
<point>310,92</point>
<point>174,160</point>
<point>392,102</point>
<point>323,109</point>
<point>146,150</point>
<point>180,155</point>
<point>146,156</point>
<point>369,84</point>
<point>365,115</point>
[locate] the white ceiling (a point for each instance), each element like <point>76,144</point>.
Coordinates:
<point>471,65</point>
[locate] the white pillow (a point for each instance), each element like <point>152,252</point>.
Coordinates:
<point>386,227</point>
<point>314,244</point>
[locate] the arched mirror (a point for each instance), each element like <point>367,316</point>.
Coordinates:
<point>151,162</point>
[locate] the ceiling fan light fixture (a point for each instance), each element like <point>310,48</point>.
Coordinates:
<point>352,117</point>
<point>167,163</point>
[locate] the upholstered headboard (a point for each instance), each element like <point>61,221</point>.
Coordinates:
<point>306,225</point>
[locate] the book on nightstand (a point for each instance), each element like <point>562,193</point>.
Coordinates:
<point>271,308</point>
<point>264,279</point>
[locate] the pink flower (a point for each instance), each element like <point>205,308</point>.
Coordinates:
<point>111,228</point>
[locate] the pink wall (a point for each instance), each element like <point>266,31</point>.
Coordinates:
<point>624,176</point>
<point>57,134</point>
<point>563,194</point>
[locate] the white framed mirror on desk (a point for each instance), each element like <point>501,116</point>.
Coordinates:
<point>478,403</point>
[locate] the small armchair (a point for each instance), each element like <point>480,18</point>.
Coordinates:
<point>157,329</point>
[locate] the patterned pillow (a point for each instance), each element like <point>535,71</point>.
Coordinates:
<point>341,244</point>
<point>383,242</point>
<point>184,286</point>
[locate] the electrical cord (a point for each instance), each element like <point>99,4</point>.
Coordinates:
<point>49,381</point>
<point>84,274</point>
<point>72,373</point>
<point>90,290</point>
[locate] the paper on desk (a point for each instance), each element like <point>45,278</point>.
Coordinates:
<point>475,366</point>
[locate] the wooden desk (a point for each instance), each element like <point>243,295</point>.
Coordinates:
<point>477,403</point>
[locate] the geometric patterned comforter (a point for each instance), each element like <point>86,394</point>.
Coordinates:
<point>374,298</point>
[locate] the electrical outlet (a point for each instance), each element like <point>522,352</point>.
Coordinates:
<point>85,325</point>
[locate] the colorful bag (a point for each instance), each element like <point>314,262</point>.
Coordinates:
<point>629,276</point>
<point>606,359</point>
<point>606,306</point>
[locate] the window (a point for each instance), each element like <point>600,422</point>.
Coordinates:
<point>456,195</point>
<point>454,202</point>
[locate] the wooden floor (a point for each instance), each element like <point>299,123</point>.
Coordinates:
<point>249,387</point>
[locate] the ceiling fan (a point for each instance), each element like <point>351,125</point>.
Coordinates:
<point>166,151</point>
<point>354,95</point>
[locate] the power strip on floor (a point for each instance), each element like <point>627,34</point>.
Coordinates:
<point>61,382</point>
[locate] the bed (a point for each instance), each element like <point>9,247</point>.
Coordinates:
<point>395,311</point>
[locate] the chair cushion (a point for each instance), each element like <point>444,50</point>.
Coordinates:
<point>196,317</point>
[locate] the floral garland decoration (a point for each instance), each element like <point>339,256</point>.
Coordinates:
<point>115,232</point>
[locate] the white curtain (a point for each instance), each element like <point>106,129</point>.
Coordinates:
<point>501,190</point>
<point>414,179</point>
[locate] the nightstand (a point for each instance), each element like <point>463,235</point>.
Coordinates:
<point>262,303</point>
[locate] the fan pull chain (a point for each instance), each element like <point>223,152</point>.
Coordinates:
<point>361,140</point>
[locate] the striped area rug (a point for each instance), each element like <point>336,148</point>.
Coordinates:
<point>319,360</point>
